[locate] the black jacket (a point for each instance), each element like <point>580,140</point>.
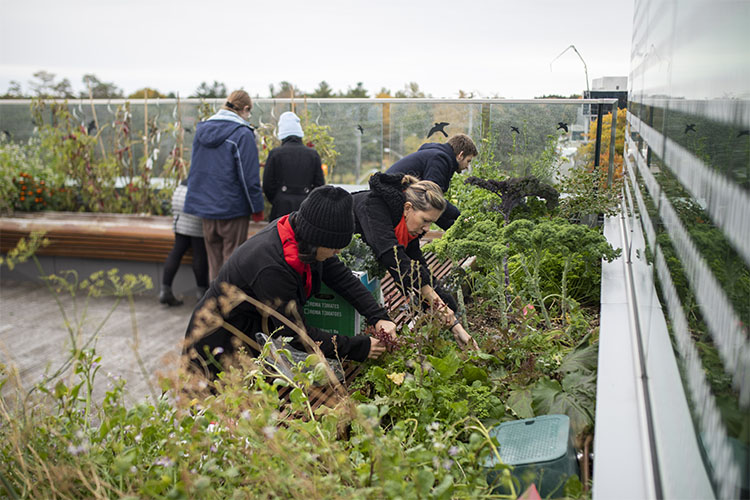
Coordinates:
<point>258,268</point>
<point>377,212</point>
<point>432,162</point>
<point>292,170</point>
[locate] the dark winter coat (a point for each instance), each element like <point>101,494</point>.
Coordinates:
<point>292,170</point>
<point>224,179</point>
<point>432,162</point>
<point>258,268</point>
<point>377,212</point>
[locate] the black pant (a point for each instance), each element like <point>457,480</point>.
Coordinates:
<point>200,259</point>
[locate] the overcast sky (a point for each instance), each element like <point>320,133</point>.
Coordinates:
<point>489,47</point>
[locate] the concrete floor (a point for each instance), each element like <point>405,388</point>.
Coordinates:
<point>33,337</point>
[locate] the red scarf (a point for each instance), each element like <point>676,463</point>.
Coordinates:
<point>291,253</point>
<point>402,233</point>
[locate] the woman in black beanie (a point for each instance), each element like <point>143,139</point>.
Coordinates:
<point>282,266</point>
<point>391,217</point>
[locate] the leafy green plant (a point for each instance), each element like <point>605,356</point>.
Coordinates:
<point>358,256</point>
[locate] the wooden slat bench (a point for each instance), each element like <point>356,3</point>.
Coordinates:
<point>140,238</point>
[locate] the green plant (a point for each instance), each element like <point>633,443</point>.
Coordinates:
<point>315,136</point>
<point>358,256</point>
<point>26,182</point>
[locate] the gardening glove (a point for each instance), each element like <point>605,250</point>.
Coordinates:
<point>376,348</point>
<point>258,217</point>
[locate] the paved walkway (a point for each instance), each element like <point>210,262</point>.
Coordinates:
<point>33,336</point>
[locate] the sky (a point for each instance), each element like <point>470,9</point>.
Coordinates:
<point>491,48</point>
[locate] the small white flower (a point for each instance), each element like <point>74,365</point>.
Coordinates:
<point>269,431</point>
<point>245,414</point>
<point>164,462</point>
<point>438,446</point>
<point>138,438</point>
<point>453,451</point>
<point>217,351</point>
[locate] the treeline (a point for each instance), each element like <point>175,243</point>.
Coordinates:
<point>46,85</point>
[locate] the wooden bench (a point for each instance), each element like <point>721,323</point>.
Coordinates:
<point>140,238</point>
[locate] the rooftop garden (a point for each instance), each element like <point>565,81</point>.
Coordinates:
<point>413,424</point>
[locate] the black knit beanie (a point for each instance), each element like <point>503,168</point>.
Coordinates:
<point>325,218</point>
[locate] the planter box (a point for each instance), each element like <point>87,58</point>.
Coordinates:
<point>329,311</point>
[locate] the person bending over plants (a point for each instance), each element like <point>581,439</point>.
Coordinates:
<point>391,217</point>
<point>282,266</point>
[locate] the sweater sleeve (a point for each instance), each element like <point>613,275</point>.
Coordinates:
<point>439,170</point>
<point>249,170</point>
<point>318,179</point>
<point>341,280</point>
<point>270,184</point>
<point>277,287</point>
<point>448,217</point>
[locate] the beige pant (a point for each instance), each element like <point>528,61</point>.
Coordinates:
<point>222,237</point>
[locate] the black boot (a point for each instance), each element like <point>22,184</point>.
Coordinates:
<point>167,297</point>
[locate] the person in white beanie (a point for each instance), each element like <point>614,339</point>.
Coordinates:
<point>292,170</point>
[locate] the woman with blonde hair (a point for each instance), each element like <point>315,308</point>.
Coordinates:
<point>391,217</point>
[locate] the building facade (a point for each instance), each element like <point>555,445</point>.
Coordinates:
<point>686,222</point>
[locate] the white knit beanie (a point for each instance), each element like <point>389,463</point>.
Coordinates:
<point>289,125</point>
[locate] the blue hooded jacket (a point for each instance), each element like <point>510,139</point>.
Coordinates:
<point>224,179</point>
<point>432,162</point>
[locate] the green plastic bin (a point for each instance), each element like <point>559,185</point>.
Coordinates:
<point>329,311</point>
<point>541,452</point>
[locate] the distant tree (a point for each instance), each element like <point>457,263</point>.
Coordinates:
<point>63,89</point>
<point>323,90</point>
<point>141,93</point>
<point>216,89</point>
<point>462,94</point>
<point>411,89</point>
<point>286,90</point>
<point>44,84</point>
<point>557,96</point>
<point>383,93</point>
<point>358,91</point>
<point>99,89</point>
<point>14,91</point>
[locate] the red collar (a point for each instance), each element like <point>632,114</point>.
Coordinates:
<point>291,253</point>
<point>402,233</point>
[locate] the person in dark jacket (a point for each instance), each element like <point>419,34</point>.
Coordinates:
<point>224,180</point>
<point>391,217</point>
<point>437,163</point>
<point>292,170</point>
<point>282,266</point>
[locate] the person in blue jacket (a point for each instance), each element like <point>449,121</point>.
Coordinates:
<point>437,163</point>
<point>224,180</point>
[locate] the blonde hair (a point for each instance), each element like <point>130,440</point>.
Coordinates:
<point>237,101</point>
<point>423,195</point>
